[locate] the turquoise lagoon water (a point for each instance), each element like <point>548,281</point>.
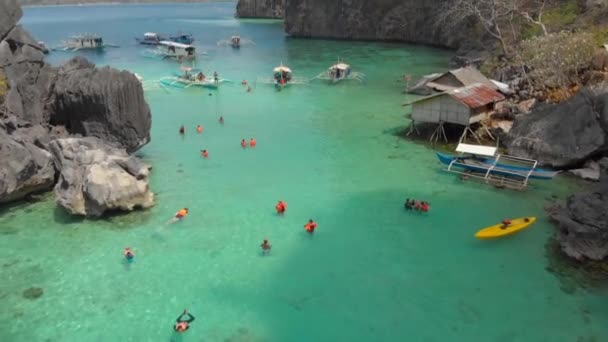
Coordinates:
<point>372,272</point>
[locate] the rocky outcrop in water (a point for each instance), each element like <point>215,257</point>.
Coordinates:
<point>260,9</point>
<point>410,21</point>
<point>562,135</point>
<point>96,177</point>
<point>103,103</point>
<point>582,221</point>
<point>40,106</point>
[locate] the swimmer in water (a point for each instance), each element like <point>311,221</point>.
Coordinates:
<point>181,324</point>
<point>252,142</point>
<point>204,153</point>
<point>182,130</point>
<point>310,226</point>
<point>243,143</point>
<point>221,120</point>
<point>265,247</point>
<point>249,89</point>
<point>199,129</point>
<point>179,215</point>
<point>244,82</point>
<point>281,207</point>
<point>129,254</point>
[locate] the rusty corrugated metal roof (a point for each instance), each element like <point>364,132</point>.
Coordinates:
<point>476,95</point>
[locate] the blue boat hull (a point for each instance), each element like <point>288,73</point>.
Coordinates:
<point>484,164</point>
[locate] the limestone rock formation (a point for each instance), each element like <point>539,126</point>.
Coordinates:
<point>562,135</point>
<point>411,21</point>
<point>260,9</point>
<point>583,221</point>
<point>96,177</point>
<point>103,103</point>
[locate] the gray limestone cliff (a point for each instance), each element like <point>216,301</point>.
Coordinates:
<point>260,9</point>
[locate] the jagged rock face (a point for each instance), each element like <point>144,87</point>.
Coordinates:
<point>24,168</point>
<point>411,21</point>
<point>10,13</point>
<point>96,177</point>
<point>103,103</point>
<point>583,221</point>
<point>562,135</point>
<point>260,9</point>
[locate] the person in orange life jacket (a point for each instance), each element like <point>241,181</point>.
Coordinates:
<point>182,324</point>
<point>310,226</point>
<point>199,129</point>
<point>281,207</point>
<point>252,142</point>
<point>424,206</point>
<point>204,153</point>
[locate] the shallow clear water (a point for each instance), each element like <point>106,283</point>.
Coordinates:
<point>372,272</point>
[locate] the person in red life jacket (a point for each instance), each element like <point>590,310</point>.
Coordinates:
<point>204,153</point>
<point>182,324</point>
<point>505,223</point>
<point>244,82</point>
<point>281,207</point>
<point>424,206</point>
<point>129,254</point>
<point>417,205</point>
<point>221,120</point>
<point>252,142</point>
<point>199,129</point>
<point>243,143</point>
<point>265,247</point>
<point>179,215</point>
<point>310,226</point>
<point>182,130</point>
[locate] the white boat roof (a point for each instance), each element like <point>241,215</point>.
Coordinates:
<point>282,68</point>
<point>150,34</point>
<point>341,66</point>
<point>177,45</point>
<point>489,151</point>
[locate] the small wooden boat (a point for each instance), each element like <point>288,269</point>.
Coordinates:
<point>150,38</point>
<point>500,230</point>
<point>282,77</point>
<point>178,51</point>
<point>192,78</point>
<point>340,72</point>
<point>235,42</point>
<point>84,42</point>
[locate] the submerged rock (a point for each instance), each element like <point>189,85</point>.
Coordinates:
<point>33,293</point>
<point>96,177</point>
<point>583,221</point>
<point>561,135</point>
<point>103,103</point>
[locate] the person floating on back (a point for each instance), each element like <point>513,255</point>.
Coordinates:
<point>199,129</point>
<point>204,153</point>
<point>179,215</point>
<point>129,254</point>
<point>310,226</point>
<point>252,142</point>
<point>182,130</point>
<point>281,207</point>
<point>243,143</point>
<point>265,247</point>
<point>182,324</point>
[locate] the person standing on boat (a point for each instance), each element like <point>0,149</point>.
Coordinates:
<point>216,77</point>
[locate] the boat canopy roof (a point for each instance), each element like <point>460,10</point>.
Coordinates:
<point>85,36</point>
<point>185,68</point>
<point>150,34</point>
<point>489,151</point>
<point>341,66</point>
<point>282,68</point>
<point>177,45</point>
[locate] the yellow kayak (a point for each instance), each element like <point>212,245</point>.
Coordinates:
<point>497,230</point>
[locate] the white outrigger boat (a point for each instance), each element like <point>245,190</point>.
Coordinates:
<point>178,51</point>
<point>282,76</point>
<point>235,41</point>
<point>84,42</point>
<point>340,72</point>
<point>192,78</point>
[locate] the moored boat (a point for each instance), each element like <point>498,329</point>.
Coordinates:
<point>187,39</point>
<point>340,72</point>
<point>150,38</point>
<point>191,77</point>
<point>235,42</point>
<point>173,50</point>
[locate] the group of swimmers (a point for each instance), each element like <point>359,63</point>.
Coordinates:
<point>281,207</point>
<point>422,206</point>
<point>252,143</point>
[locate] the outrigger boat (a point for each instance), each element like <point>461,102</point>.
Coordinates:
<point>180,52</point>
<point>151,38</point>
<point>187,39</point>
<point>191,77</point>
<point>340,72</point>
<point>84,42</point>
<point>483,162</point>
<point>282,76</point>
<point>235,41</point>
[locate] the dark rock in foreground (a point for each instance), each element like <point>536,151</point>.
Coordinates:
<point>583,221</point>
<point>96,177</point>
<point>562,135</point>
<point>103,103</point>
<point>272,9</point>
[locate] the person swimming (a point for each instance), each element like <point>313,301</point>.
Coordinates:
<point>252,142</point>
<point>204,153</point>
<point>221,120</point>
<point>424,206</point>
<point>199,129</point>
<point>182,130</point>
<point>179,215</point>
<point>249,89</point>
<point>281,207</point>
<point>310,226</point>
<point>129,254</point>
<point>408,204</point>
<point>243,143</point>
<point>265,247</point>
<point>181,324</point>
<point>244,82</point>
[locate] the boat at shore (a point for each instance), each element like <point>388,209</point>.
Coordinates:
<point>483,162</point>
